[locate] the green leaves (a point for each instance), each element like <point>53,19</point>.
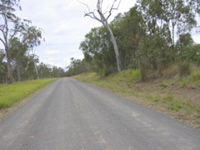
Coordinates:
<point>146,38</point>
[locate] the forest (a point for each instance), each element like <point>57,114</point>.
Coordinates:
<point>19,38</point>
<point>152,36</point>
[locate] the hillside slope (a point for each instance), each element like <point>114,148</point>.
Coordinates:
<point>178,98</point>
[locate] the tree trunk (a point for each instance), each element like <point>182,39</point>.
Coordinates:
<point>9,68</point>
<point>143,72</point>
<point>173,34</point>
<point>112,38</point>
<point>18,73</point>
<point>36,71</point>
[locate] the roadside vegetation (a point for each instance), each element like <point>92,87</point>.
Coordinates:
<point>160,61</point>
<point>10,94</point>
<point>176,96</point>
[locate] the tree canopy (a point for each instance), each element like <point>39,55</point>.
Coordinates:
<point>18,37</point>
<point>152,35</point>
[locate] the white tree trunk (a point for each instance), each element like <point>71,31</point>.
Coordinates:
<point>104,21</point>
<point>112,38</point>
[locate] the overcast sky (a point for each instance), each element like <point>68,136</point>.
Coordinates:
<point>64,26</point>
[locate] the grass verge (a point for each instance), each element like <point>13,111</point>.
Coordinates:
<point>167,96</point>
<point>10,94</point>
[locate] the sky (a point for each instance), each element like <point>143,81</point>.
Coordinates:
<point>63,26</point>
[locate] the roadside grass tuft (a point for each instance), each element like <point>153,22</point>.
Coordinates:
<point>192,79</point>
<point>9,94</point>
<point>195,76</point>
<point>127,76</point>
<point>175,106</point>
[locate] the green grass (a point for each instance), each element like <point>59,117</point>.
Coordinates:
<point>192,79</point>
<point>195,76</point>
<point>9,94</point>
<point>127,76</point>
<point>172,103</point>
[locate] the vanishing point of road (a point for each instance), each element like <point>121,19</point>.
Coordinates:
<point>72,115</point>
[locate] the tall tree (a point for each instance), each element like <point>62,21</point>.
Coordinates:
<point>2,67</point>
<point>11,27</point>
<point>179,15</point>
<point>128,30</point>
<point>18,55</point>
<point>98,51</point>
<point>104,20</point>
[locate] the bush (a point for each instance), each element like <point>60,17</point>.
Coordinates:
<point>128,75</point>
<point>171,72</point>
<point>184,69</point>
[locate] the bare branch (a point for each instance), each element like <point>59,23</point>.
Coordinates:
<point>112,8</point>
<point>92,15</point>
<point>1,30</point>
<point>85,5</point>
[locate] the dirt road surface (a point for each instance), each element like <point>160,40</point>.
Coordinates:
<point>71,115</point>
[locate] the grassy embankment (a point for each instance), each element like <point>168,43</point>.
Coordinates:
<point>10,94</point>
<point>176,97</point>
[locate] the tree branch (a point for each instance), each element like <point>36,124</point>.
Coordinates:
<point>112,8</point>
<point>2,41</point>
<point>90,13</point>
<point>85,5</point>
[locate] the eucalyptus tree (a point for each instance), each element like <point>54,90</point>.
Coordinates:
<point>103,18</point>
<point>75,67</point>
<point>18,56</point>
<point>2,67</point>
<point>9,27</point>
<point>98,51</point>
<point>162,19</point>
<point>128,29</point>
<point>179,15</point>
<point>12,26</point>
<point>31,36</point>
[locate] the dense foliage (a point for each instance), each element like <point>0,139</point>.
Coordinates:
<point>152,36</point>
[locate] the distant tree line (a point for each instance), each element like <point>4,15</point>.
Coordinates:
<point>151,36</point>
<point>19,38</point>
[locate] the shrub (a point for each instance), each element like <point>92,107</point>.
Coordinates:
<point>184,69</point>
<point>171,72</point>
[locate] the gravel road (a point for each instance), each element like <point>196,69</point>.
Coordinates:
<point>71,115</point>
